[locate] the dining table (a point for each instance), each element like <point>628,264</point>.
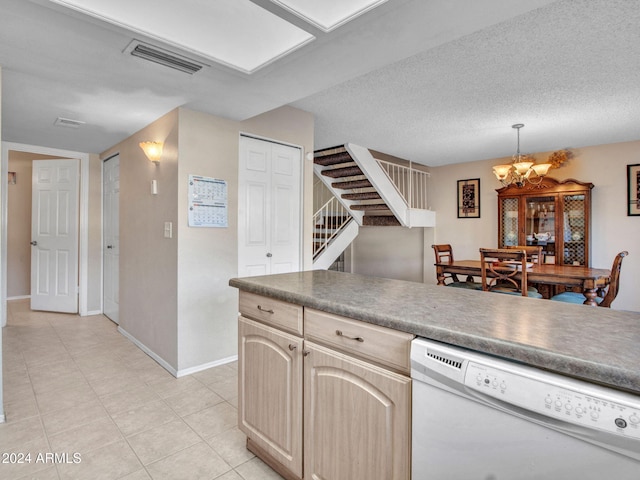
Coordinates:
<point>590,280</point>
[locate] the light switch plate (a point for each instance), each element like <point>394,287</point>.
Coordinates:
<point>168,229</point>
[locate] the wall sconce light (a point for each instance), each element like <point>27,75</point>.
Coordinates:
<point>153,151</point>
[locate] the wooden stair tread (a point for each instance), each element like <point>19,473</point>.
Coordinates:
<point>333,159</point>
<point>351,184</point>
<point>371,206</point>
<point>380,220</point>
<point>342,172</point>
<point>361,196</point>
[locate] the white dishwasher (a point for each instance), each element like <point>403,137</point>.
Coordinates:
<point>479,417</point>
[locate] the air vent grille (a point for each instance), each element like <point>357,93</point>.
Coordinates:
<point>67,122</point>
<point>446,361</point>
<point>163,57</point>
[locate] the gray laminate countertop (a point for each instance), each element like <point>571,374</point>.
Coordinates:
<point>595,344</point>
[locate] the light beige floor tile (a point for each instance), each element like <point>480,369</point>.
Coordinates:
<point>70,379</point>
<point>227,388</point>
<point>198,462</point>
<point>169,387</point>
<point>213,420</point>
<point>115,384</point>
<point>231,446</point>
<point>256,469</point>
<point>20,410</point>
<point>28,464</point>
<point>193,400</point>
<point>66,419</point>
<point>49,473</point>
<point>87,437</point>
<point>144,417</point>
<point>216,374</point>
<point>162,441</point>
<point>138,475</point>
<point>125,400</point>
<point>231,475</point>
<point>233,402</point>
<point>59,399</point>
<point>15,434</point>
<point>108,463</point>
<point>19,393</point>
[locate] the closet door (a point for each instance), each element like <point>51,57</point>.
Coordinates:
<point>269,227</point>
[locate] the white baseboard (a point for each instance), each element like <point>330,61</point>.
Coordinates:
<point>149,352</point>
<point>169,368</point>
<point>205,366</point>
<point>93,312</point>
<point>19,297</point>
<point>2,419</point>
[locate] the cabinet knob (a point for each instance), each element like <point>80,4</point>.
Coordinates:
<point>305,353</point>
<point>269,255</point>
<point>292,347</point>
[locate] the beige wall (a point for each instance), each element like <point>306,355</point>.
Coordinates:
<point>175,297</point>
<point>148,261</point>
<point>390,252</point>
<point>612,229</point>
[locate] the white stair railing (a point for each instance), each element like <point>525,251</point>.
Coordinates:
<point>328,221</point>
<point>411,184</point>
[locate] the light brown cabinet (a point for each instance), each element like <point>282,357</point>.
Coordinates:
<point>553,214</point>
<point>270,392</point>
<point>334,404</point>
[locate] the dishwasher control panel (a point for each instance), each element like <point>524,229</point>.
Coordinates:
<point>567,399</point>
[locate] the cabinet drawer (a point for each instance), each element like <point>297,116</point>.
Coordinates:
<point>271,311</point>
<point>372,342</point>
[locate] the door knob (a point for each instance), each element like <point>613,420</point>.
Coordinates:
<point>109,246</point>
<point>34,243</point>
<point>269,255</point>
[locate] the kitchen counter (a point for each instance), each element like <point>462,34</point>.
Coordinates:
<point>599,345</point>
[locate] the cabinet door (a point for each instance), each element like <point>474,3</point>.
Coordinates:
<point>270,391</point>
<point>509,230</point>
<point>357,419</point>
<point>575,230</point>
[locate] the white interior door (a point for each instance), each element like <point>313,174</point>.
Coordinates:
<point>111,236</point>
<point>269,231</point>
<point>54,232</point>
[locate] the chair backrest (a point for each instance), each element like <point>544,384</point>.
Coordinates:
<point>444,254</point>
<point>534,252</point>
<point>502,266</point>
<point>614,284</point>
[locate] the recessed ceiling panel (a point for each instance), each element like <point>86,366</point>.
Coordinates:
<point>328,14</point>
<point>236,33</point>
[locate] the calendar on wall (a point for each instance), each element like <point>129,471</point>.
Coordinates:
<point>208,202</point>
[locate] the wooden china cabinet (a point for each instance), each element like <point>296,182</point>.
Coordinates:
<point>554,214</point>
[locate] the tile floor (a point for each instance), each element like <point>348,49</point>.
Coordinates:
<point>74,385</point>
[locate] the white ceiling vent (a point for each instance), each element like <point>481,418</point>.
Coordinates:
<point>67,122</point>
<point>163,57</point>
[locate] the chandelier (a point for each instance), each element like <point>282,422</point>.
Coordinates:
<point>522,169</point>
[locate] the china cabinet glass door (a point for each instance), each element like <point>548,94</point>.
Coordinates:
<point>540,225</point>
<point>574,230</point>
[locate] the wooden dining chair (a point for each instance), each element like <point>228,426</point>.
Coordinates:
<point>609,296</point>
<point>500,269</point>
<point>444,254</point>
<point>534,252</point>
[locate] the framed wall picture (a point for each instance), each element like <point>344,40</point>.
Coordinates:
<point>469,198</point>
<point>633,189</point>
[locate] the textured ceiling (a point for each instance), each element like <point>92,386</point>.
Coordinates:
<point>435,82</point>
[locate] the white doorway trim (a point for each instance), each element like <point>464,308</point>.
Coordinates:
<point>83,226</point>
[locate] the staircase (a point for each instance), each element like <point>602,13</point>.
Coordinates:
<point>367,192</point>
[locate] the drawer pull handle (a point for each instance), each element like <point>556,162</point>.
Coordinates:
<point>292,347</point>
<point>357,339</point>
<point>265,310</point>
